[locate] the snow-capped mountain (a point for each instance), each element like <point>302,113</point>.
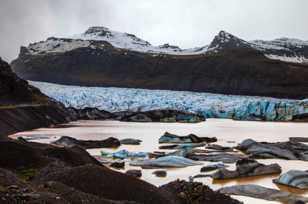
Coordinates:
<point>284,49</point>
<point>228,65</point>
<point>116,39</point>
<point>226,40</point>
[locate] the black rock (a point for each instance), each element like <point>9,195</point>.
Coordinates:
<point>196,193</point>
<point>87,144</point>
<point>134,173</point>
<point>160,173</point>
<point>130,141</point>
<point>118,165</point>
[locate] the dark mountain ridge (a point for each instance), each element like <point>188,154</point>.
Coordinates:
<point>229,65</point>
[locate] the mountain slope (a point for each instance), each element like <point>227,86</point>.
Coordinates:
<point>24,107</point>
<point>14,90</point>
<point>101,57</point>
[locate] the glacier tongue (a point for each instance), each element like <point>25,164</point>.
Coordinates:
<point>207,104</point>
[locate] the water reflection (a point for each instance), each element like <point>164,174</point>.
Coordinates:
<point>228,132</point>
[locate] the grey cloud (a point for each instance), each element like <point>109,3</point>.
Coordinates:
<point>187,23</point>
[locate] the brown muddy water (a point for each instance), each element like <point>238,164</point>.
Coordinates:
<point>228,132</point>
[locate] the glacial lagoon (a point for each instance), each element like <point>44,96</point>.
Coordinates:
<point>228,133</point>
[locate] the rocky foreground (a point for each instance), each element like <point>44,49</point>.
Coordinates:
<point>39,173</point>
<point>24,107</point>
<point>49,174</point>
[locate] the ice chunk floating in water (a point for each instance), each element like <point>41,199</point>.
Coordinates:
<point>166,162</point>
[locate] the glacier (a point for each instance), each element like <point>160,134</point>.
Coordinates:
<point>210,105</point>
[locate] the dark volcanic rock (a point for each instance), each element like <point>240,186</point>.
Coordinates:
<point>246,168</point>
<point>76,196</point>
<point>196,193</point>
<point>282,150</point>
<point>162,116</point>
<point>137,117</point>
<point>134,173</point>
<point>90,114</point>
<point>160,173</point>
<point>21,118</point>
<point>299,139</point>
<point>260,192</point>
<point>301,117</point>
<point>87,144</point>
<point>191,138</point>
<point>15,155</point>
<point>234,69</point>
<point>14,90</point>
<point>118,165</point>
<point>24,107</point>
<point>74,170</point>
<point>130,141</point>
<point>103,182</point>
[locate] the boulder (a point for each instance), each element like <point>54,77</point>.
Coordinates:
<point>134,173</point>
<point>196,193</point>
<point>281,150</point>
<point>294,178</point>
<point>130,141</point>
<point>66,141</point>
<point>160,173</point>
<point>191,138</point>
<point>246,168</point>
<point>165,162</point>
<point>263,193</point>
<point>118,165</point>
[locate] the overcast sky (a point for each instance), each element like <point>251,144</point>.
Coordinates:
<point>187,23</point>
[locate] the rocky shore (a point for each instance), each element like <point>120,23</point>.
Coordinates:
<point>53,174</point>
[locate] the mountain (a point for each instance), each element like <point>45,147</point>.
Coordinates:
<point>229,65</point>
<point>14,90</point>
<point>24,107</point>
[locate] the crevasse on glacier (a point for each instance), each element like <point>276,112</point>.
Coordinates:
<point>207,104</point>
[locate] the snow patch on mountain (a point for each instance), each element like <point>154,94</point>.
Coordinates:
<point>279,44</point>
<point>284,49</point>
<point>131,42</point>
<point>207,104</point>
<point>293,59</point>
<point>54,45</point>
